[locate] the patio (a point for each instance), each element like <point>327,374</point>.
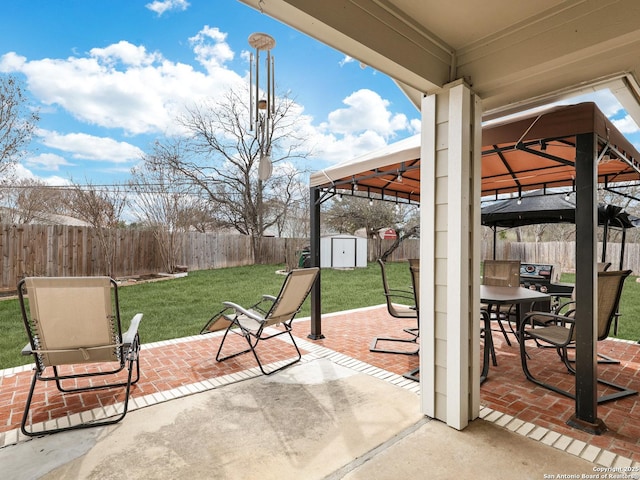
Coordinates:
<point>179,368</point>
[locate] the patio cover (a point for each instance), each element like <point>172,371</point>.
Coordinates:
<point>535,152</point>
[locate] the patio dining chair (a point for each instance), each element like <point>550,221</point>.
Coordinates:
<point>253,323</point>
<point>505,273</point>
<point>401,303</point>
<point>557,330</point>
<point>603,266</point>
<point>76,339</point>
<point>414,268</point>
<point>488,351</point>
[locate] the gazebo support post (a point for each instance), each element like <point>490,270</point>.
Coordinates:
<point>605,240</point>
<point>314,252</point>
<point>495,238</point>
<point>586,414</point>
<point>624,239</point>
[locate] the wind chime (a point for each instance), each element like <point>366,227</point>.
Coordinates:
<point>262,101</point>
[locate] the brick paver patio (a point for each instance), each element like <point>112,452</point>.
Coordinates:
<point>185,366</point>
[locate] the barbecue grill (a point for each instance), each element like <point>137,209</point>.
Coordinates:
<point>543,278</point>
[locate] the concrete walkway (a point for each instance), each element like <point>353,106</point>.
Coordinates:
<point>315,420</point>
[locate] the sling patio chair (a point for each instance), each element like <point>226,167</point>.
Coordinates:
<point>401,303</point>
<point>503,273</point>
<point>485,329</point>
<point>414,268</point>
<point>252,323</point>
<point>557,330</point>
<point>75,322</point>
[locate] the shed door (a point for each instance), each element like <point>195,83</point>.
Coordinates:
<point>343,252</point>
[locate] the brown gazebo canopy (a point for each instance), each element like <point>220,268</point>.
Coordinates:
<point>534,152</point>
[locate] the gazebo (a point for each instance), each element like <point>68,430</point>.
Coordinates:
<point>464,63</point>
<point>542,151</point>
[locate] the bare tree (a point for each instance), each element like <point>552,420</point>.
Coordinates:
<point>17,121</point>
<point>411,231</point>
<point>164,201</point>
<point>290,201</point>
<point>351,214</point>
<point>355,213</point>
<point>408,226</point>
<point>224,163</point>
<point>27,200</point>
<point>198,215</point>
<point>102,209</point>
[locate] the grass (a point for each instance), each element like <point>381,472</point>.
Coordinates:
<point>180,307</point>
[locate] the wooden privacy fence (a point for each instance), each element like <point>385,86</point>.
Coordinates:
<point>560,254</point>
<point>56,250</point>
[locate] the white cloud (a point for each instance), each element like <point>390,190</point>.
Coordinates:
<point>345,60</point>
<point>366,110</point>
<point>11,62</point>
<point>336,148</point>
<point>211,49</point>
<point>20,172</point>
<point>90,147</point>
<point>126,53</point>
<point>124,86</point>
<point>161,6</point>
<point>365,124</point>
<point>626,125</point>
<point>44,161</point>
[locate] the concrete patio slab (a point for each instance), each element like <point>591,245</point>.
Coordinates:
<point>481,451</point>
<point>305,422</point>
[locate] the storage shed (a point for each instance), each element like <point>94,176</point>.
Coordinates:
<point>343,251</point>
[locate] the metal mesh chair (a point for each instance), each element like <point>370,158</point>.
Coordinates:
<point>505,273</point>
<point>401,303</point>
<point>252,323</point>
<point>557,330</point>
<point>74,321</point>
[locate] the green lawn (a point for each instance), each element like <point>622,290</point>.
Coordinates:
<point>180,307</point>
<point>629,323</point>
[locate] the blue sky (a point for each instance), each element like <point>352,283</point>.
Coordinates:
<point>110,76</point>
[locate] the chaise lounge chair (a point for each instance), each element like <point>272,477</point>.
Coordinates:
<point>252,323</point>
<point>72,321</point>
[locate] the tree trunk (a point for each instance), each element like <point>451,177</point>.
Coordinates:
<point>400,237</point>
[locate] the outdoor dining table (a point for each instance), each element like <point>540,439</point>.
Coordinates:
<point>521,297</point>
<point>495,296</point>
